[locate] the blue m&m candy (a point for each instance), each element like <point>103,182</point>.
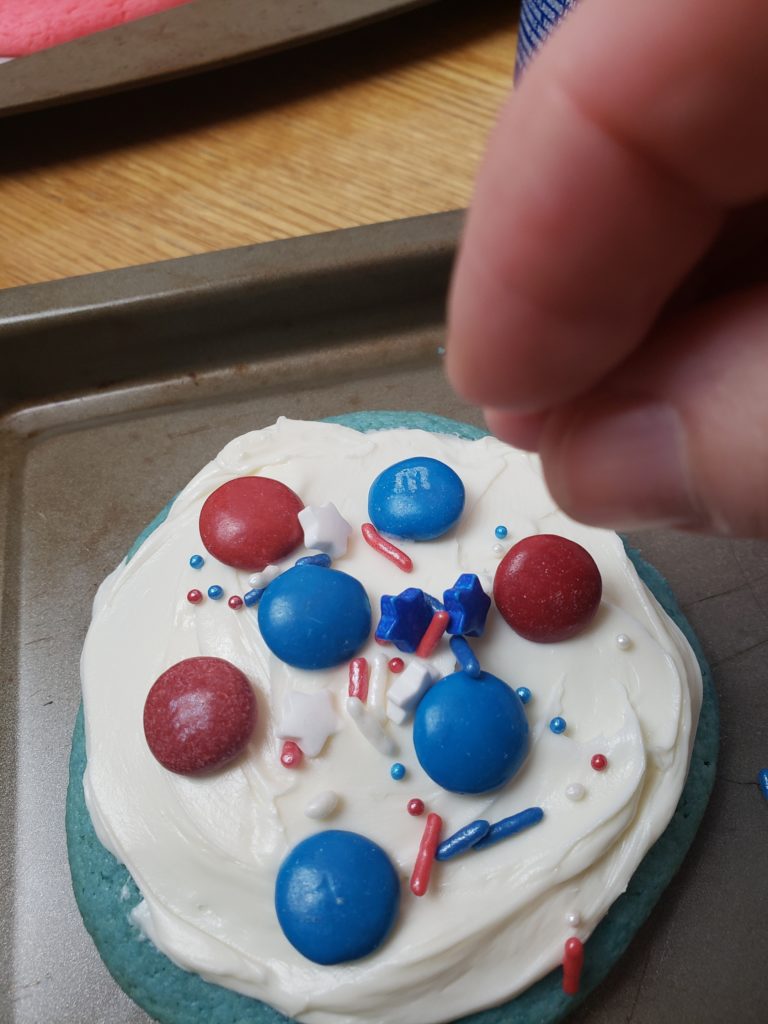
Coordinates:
<point>336,897</point>
<point>470,735</point>
<point>312,617</point>
<point>416,499</point>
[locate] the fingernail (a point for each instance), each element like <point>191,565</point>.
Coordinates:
<point>627,468</point>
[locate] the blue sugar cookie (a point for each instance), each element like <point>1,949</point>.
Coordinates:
<point>106,894</point>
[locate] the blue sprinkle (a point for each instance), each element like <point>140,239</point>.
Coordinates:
<point>524,694</point>
<point>215,592</point>
<point>397,771</point>
<point>510,826</point>
<point>441,350</point>
<point>253,597</point>
<point>404,618</point>
<point>462,840</point>
<point>434,604</point>
<point>557,725</point>
<point>322,560</point>
<point>465,656</point>
<point>501,532</point>
<point>762,781</point>
<point>197,561</point>
<point>468,604</point>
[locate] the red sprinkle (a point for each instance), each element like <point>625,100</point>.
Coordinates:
<point>426,855</point>
<point>380,642</point>
<point>384,547</point>
<point>396,665</point>
<point>235,602</point>
<point>573,961</point>
<point>599,762</point>
<point>195,596</point>
<point>431,638</point>
<point>416,807</point>
<point>358,679</point>
<point>291,754</point>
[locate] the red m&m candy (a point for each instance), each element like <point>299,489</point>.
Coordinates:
<point>199,715</point>
<point>547,588</point>
<point>251,522</point>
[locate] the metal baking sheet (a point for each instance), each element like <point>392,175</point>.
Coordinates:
<point>114,390</point>
<point>198,36</point>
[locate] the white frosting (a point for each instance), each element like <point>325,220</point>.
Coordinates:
<point>205,851</point>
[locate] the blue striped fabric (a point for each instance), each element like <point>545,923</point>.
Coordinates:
<point>537,18</point>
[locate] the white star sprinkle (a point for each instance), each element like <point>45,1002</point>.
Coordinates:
<point>325,529</point>
<point>309,719</point>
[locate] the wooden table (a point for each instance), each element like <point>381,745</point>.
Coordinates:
<point>382,123</point>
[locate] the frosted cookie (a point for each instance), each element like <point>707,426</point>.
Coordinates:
<point>463,783</point>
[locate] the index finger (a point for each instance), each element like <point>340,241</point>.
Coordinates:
<point>605,181</point>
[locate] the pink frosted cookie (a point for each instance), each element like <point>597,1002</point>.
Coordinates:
<point>30,25</point>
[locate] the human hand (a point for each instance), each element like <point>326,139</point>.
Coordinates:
<point>610,301</point>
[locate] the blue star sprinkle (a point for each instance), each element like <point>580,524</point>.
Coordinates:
<point>468,604</point>
<point>404,618</point>
<point>437,606</point>
<point>322,560</point>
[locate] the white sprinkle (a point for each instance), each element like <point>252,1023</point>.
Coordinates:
<point>377,687</point>
<point>411,685</point>
<point>370,728</point>
<point>623,642</point>
<point>325,529</point>
<point>395,713</point>
<point>308,718</point>
<point>575,791</point>
<point>498,550</point>
<point>486,582</point>
<point>265,577</point>
<point>323,805</point>
<point>573,919</point>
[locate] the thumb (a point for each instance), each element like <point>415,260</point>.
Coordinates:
<point>679,435</point>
